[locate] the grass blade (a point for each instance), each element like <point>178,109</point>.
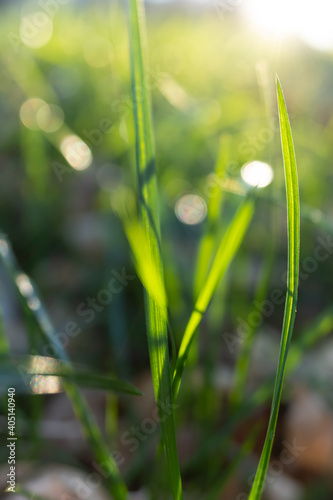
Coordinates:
<point>89,427</point>
<point>225,253</point>
<point>316,331</point>
<point>293,217</point>
<point>148,206</point>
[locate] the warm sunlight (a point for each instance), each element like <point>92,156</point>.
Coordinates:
<point>311,21</point>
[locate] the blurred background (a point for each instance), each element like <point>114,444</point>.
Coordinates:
<point>67,149</point>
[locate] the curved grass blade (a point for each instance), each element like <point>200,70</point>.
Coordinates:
<point>89,427</point>
<point>225,253</point>
<point>293,216</point>
<point>156,313</point>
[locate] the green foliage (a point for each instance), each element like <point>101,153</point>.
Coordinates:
<point>209,120</point>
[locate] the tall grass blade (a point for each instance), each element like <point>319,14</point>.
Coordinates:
<point>293,217</point>
<point>225,254</point>
<point>148,207</point>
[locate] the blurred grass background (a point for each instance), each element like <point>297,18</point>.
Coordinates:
<point>212,80</point>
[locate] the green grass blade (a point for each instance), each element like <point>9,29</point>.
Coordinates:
<point>319,329</point>
<point>225,254</point>
<point>208,240</point>
<point>148,206</point>
<point>293,217</point>
<point>89,427</point>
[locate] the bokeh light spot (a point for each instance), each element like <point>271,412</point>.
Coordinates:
<point>191,209</point>
<point>257,173</point>
<point>28,112</point>
<point>41,384</point>
<point>76,152</point>
<point>50,118</point>
<point>24,285</point>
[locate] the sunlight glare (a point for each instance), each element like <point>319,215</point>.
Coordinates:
<point>308,20</point>
<point>257,173</point>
